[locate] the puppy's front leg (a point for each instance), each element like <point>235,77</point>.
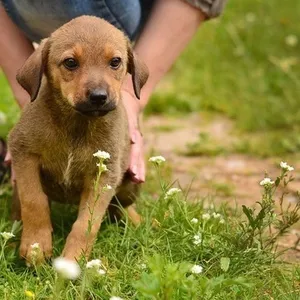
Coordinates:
<point>91,211</point>
<point>35,212</point>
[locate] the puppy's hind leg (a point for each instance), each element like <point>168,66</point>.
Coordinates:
<point>126,196</point>
<point>133,215</point>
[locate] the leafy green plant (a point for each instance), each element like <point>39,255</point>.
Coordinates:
<point>265,219</point>
<point>176,280</point>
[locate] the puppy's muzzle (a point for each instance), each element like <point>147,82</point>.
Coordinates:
<point>97,103</point>
<point>98,97</point>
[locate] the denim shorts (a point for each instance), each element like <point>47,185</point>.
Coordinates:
<point>38,18</point>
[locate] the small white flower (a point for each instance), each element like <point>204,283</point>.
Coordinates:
<point>266,181</point>
<point>222,221</point>
<point>216,215</point>
<point>7,235</point>
<point>157,159</point>
<point>115,298</point>
<point>68,269</point>
<point>95,263</point>
<point>196,269</point>
<point>194,221</point>
<point>206,216</point>
<point>107,187</point>
<point>291,40</point>
<point>197,239</point>
<point>101,272</point>
<point>172,192</point>
<point>143,266</point>
<point>286,167</point>
<point>102,155</point>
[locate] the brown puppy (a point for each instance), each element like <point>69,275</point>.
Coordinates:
<point>74,79</point>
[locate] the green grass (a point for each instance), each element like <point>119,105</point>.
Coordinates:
<point>235,253</point>
<point>223,189</point>
<point>261,144</point>
<point>205,146</point>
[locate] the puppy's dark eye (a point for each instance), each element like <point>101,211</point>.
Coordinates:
<point>71,63</point>
<point>115,62</point>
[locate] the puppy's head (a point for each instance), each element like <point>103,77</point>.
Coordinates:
<point>85,61</point>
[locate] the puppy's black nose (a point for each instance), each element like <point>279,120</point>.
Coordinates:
<point>98,96</point>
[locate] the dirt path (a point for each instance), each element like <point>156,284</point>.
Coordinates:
<point>231,177</point>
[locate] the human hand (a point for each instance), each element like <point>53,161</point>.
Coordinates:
<point>136,164</point>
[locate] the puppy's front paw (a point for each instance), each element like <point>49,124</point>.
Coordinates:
<point>78,245</point>
<point>36,246</point>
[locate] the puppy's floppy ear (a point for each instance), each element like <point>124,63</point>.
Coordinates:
<point>30,75</point>
<point>138,70</point>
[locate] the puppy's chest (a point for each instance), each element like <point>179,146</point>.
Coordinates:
<point>70,165</point>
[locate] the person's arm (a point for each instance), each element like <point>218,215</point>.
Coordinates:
<point>170,27</point>
<point>15,49</point>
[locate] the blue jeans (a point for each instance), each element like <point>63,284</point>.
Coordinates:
<point>38,18</point>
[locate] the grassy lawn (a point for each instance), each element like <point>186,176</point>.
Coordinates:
<point>245,65</point>
<point>181,251</point>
